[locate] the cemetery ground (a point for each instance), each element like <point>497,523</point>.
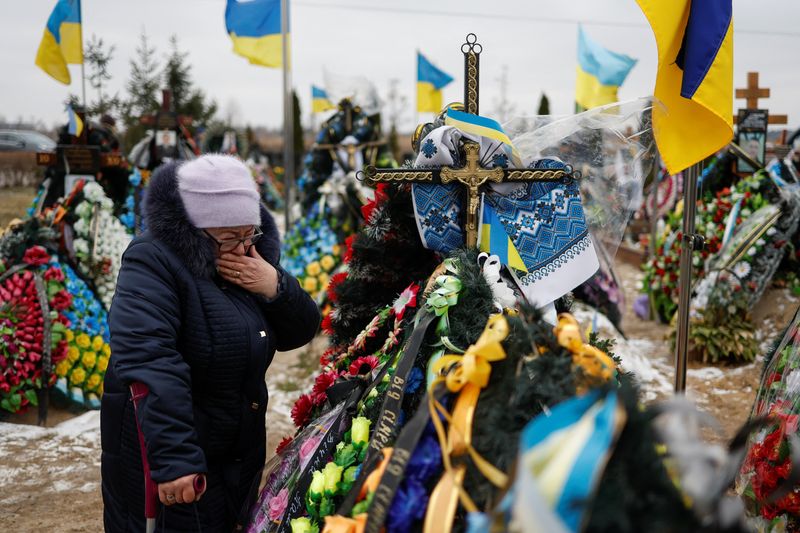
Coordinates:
<point>51,475</point>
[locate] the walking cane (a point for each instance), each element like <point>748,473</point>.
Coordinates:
<point>139,391</point>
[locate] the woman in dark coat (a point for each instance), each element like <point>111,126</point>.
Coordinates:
<point>200,308</point>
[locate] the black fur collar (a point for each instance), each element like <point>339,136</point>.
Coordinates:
<point>168,222</point>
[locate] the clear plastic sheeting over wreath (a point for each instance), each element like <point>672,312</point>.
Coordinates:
<point>611,146</point>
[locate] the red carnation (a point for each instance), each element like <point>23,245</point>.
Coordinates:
<point>286,441</point>
<point>61,300</point>
<point>301,411</point>
<point>380,197</point>
<point>363,365</point>
<point>35,256</point>
<point>321,384</point>
<point>54,274</point>
<point>327,324</point>
<point>333,284</point>
<point>348,242</point>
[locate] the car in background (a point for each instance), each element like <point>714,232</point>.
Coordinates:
<point>25,141</point>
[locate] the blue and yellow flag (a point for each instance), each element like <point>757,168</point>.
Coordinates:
<point>319,100</point>
<point>255,29</point>
<point>495,240</point>
<point>75,124</point>
<point>483,127</point>
<point>566,450</point>
<point>61,43</point>
<point>430,81</point>
<point>694,78</point>
<point>600,73</point>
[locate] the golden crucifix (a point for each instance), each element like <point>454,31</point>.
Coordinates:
<point>472,175</point>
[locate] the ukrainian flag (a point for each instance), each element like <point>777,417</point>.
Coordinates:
<point>495,240</point>
<point>61,43</point>
<point>319,100</point>
<point>600,73</point>
<point>255,29</point>
<point>430,81</point>
<point>75,124</point>
<point>694,78</point>
<point>565,452</point>
<point>483,127</point>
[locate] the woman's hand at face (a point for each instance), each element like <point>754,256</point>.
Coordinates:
<point>250,272</point>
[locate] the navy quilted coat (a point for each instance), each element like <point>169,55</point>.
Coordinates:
<point>202,346</point>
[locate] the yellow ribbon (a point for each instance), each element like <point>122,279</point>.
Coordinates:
<point>467,374</point>
<point>594,361</point>
<point>474,365</point>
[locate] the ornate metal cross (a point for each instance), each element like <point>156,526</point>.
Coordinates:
<point>471,175</point>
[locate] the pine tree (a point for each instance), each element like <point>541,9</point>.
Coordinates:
<point>98,57</point>
<point>143,90</point>
<point>544,105</point>
<point>186,99</point>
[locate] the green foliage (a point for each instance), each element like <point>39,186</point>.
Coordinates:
<point>97,58</point>
<point>731,340</point>
<point>142,87</point>
<point>544,106</point>
<point>186,98</point>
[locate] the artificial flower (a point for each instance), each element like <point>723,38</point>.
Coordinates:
<point>303,525</point>
<point>102,363</point>
<point>78,376</point>
<point>286,441</point>
<point>83,341</point>
<point>97,343</point>
<point>360,430</point>
<point>62,368</point>
<point>317,486</point>
<point>301,411</point>
<point>310,284</point>
<point>333,474</point>
<point>36,256</point>
<point>313,269</point>
<point>69,335</point>
<point>73,354</point>
<point>327,263</point>
<point>363,365</point>
<point>93,381</point>
<point>88,360</point>
<point>407,298</point>
<point>277,504</point>
<point>321,384</point>
<point>107,349</point>
<point>408,506</point>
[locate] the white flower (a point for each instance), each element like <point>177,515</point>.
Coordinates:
<point>760,242</point>
<point>741,269</point>
<point>745,212</point>
<point>752,251</point>
<point>792,383</point>
<point>771,231</point>
<point>81,246</point>
<point>731,309</point>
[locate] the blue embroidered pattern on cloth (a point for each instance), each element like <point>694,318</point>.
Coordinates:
<point>438,209</point>
<point>545,221</point>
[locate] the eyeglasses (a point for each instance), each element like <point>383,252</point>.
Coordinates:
<point>229,245</point>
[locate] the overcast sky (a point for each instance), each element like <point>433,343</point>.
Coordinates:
<point>534,40</point>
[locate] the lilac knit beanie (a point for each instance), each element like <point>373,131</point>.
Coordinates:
<point>218,191</point>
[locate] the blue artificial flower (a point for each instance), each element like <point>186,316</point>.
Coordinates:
<point>415,379</point>
<point>426,461</point>
<point>409,506</point>
<point>135,178</point>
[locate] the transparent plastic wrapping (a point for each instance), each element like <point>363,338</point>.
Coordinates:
<point>283,471</point>
<point>613,148</point>
<point>768,466</point>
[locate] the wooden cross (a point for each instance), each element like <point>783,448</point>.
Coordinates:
<point>752,93</point>
<point>471,175</point>
<point>372,154</point>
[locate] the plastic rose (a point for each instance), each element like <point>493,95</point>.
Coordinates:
<point>278,503</point>
<point>333,474</point>
<point>317,486</point>
<point>360,430</point>
<point>303,525</point>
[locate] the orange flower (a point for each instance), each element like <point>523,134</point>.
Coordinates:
<point>343,524</point>
<point>371,483</point>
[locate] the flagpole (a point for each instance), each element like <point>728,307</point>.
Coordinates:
<point>288,117</point>
<point>689,243</point>
<point>83,74</point>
